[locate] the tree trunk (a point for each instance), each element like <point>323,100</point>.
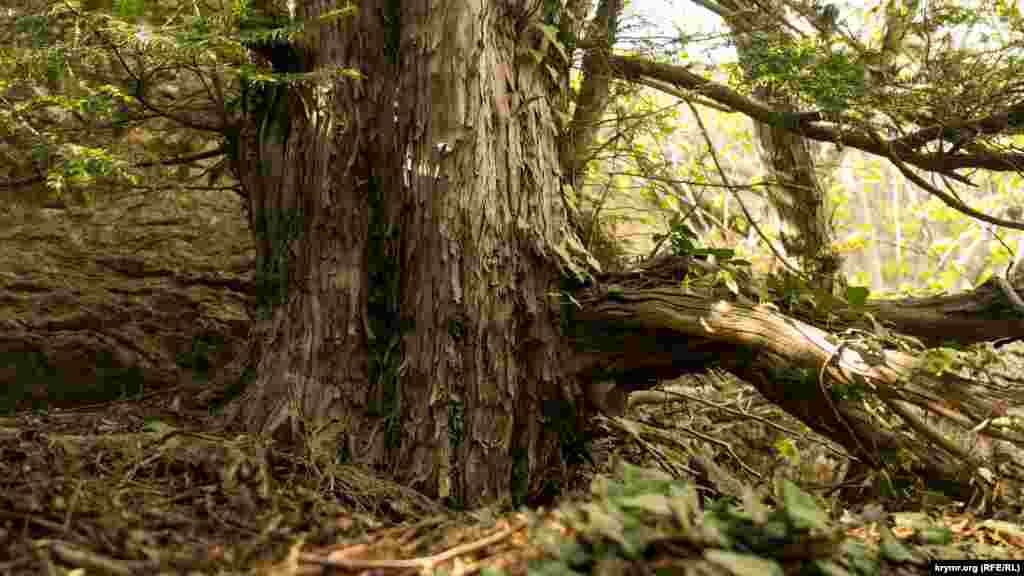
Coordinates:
<point>799,199</point>
<point>797,195</point>
<point>410,228</point>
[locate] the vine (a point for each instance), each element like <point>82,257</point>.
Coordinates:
<point>386,326</point>
<point>456,436</point>
<point>279,229</point>
<point>393,30</point>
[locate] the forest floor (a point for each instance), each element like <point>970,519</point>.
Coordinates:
<point>112,462</point>
<point>138,487</point>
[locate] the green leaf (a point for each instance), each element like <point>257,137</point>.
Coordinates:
<point>157,427</point>
<point>743,564</point>
<point>129,9</point>
<point>787,449</point>
<point>653,503</point>
<point>55,65</point>
<point>801,508</point>
<point>857,295</point>
<point>939,535</point>
<point>722,254</point>
<point>37,26</point>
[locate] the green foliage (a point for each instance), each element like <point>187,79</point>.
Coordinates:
<point>798,382</point>
<point>37,27</point>
<point>457,328</point>
<point>797,515</point>
<point>829,80</point>
<point>551,12</point>
<point>848,392</point>
<point>79,166</point>
<point>938,361</point>
<point>129,9</point>
<point>196,34</point>
<point>54,65</point>
<point>456,438</point>
<point>615,293</point>
<point>789,291</point>
<point>857,296</point>
<point>79,81</point>
<point>683,240</point>
<point>254,29</point>
<point>786,448</point>
<point>641,513</point>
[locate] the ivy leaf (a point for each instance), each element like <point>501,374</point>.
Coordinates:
<point>857,295</point>
<point>802,509</point>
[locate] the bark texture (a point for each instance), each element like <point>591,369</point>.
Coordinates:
<point>419,213</point>
<point>821,379</point>
<point>797,194</point>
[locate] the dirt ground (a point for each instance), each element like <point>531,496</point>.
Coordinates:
<point>113,461</point>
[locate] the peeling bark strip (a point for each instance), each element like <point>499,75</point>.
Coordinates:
<point>485,209</point>
<point>417,315</point>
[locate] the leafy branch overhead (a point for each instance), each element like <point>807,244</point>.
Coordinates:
<point>842,129</point>
<point>141,102</point>
<point>926,104</point>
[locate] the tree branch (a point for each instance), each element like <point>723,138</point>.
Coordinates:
<point>809,125</point>
<point>183,159</point>
<point>594,92</point>
<point>9,184</point>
